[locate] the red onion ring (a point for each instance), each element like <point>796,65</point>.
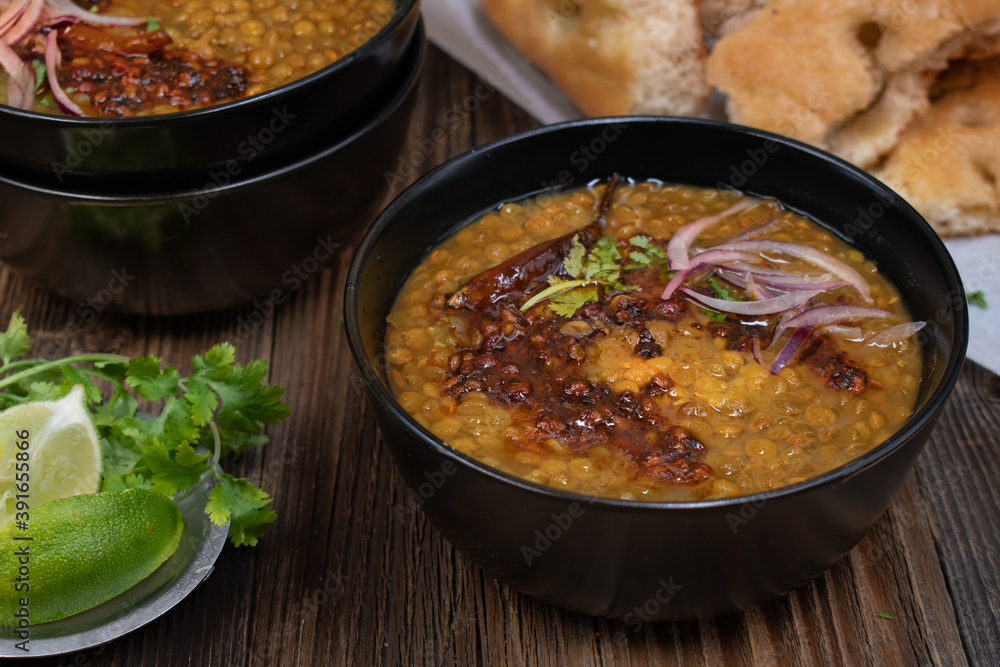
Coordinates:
<point>69,8</point>
<point>25,23</point>
<point>754,231</point>
<point>21,82</point>
<point>820,315</point>
<point>680,242</point>
<point>895,334</point>
<point>777,304</point>
<point>793,345</point>
<point>811,255</point>
<point>704,259</point>
<point>11,14</point>
<point>53,58</point>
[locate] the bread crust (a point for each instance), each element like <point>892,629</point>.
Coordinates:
<point>845,75</point>
<point>947,162</point>
<point>612,57</point>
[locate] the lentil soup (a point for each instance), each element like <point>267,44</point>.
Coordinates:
<point>195,53</point>
<point>581,341</point>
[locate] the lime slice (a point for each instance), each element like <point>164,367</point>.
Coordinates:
<point>63,452</point>
<point>83,551</point>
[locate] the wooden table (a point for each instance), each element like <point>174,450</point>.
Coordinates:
<point>352,574</point>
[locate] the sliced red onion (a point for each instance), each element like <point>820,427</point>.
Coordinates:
<point>680,243</point>
<point>11,14</point>
<point>53,58</point>
<point>778,304</point>
<point>21,81</point>
<point>26,24</point>
<point>895,334</point>
<point>793,345</point>
<point>821,315</point>
<point>704,259</point>
<point>759,270</point>
<point>755,231</point>
<point>850,333</point>
<point>738,279</point>
<point>811,255</point>
<point>800,283</point>
<point>56,8</point>
<point>758,356</point>
<point>756,290</point>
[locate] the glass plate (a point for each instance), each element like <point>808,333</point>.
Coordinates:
<point>193,561</point>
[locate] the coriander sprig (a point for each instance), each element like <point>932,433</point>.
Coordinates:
<point>600,267</point>
<point>219,401</point>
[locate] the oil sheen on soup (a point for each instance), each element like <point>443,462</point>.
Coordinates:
<point>646,341</point>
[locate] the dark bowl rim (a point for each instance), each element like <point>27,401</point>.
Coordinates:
<point>917,421</point>
<point>388,107</point>
<point>404,9</point>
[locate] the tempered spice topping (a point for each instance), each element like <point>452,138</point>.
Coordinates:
<point>119,85</point>
<point>563,365</point>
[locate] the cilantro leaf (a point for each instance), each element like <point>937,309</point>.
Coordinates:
<point>216,364</point>
<point>245,402</point>
<point>152,24</point>
<point>722,291</point>
<point>599,267</point>
<point>15,341</point>
<point>976,298</point>
<point>713,315</point>
<point>573,262</point>
<point>648,255</point>
<point>567,303</point>
<point>149,381</point>
<point>884,614</point>
<point>177,424</point>
<point>43,391</point>
<point>39,67</point>
<point>163,452</point>
<point>202,402</point>
<point>242,503</point>
<point>171,475</point>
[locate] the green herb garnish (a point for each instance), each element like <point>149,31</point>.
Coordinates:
<point>713,315</point>
<point>722,291</point>
<point>648,255</point>
<point>587,270</point>
<point>884,614</point>
<point>152,24</point>
<point>976,298</point>
<point>218,397</point>
<point>39,68</point>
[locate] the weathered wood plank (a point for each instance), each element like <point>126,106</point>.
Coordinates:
<point>354,574</point>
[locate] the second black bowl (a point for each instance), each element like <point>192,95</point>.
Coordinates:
<point>175,149</point>
<point>220,242</point>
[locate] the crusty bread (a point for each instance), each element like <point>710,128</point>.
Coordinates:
<point>796,68</point>
<point>856,77</point>
<point>947,162</point>
<point>845,75</point>
<point>718,16</point>
<point>613,57</point>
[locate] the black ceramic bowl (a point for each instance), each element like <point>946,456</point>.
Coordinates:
<point>223,241</point>
<point>655,561</point>
<point>63,151</point>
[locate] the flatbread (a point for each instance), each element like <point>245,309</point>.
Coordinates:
<point>947,162</point>
<point>845,75</point>
<point>613,57</point>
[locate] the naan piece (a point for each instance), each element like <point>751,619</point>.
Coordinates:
<point>947,161</point>
<point>845,75</point>
<point>613,57</point>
